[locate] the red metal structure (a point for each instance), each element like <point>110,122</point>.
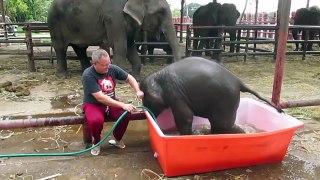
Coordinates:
<point>282,21</point>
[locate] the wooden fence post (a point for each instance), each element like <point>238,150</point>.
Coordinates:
<point>29,43</point>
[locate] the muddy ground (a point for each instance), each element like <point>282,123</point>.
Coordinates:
<point>26,95</point>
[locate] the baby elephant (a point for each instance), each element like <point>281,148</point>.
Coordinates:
<point>196,86</point>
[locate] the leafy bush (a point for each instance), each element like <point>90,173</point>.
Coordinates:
<point>27,10</point>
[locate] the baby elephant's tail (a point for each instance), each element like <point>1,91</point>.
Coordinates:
<point>244,88</point>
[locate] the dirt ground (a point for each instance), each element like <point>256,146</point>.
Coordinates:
<point>24,94</point>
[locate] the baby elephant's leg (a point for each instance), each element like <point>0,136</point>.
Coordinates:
<point>224,123</point>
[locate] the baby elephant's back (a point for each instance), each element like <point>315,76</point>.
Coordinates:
<point>206,81</point>
<point>197,70</point>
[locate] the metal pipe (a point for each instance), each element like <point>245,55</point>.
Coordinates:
<point>181,20</point>
<point>53,121</point>
<point>40,122</point>
<point>188,41</point>
<point>300,103</point>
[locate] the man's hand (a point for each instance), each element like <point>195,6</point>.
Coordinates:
<point>140,94</point>
<point>135,86</point>
<point>129,107</point>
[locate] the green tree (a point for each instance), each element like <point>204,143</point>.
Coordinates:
<point>176,13</point>
<point>16,9</point>
<point>27,10</point>
<point>190,9</point>
<point>40,10</point>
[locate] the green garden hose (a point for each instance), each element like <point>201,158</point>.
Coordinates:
<point>77,152</point>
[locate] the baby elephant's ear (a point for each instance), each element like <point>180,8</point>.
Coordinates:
<point>136,9</point>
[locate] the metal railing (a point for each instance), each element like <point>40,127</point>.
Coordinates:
<point>247,35</point>
<point>246,40</point>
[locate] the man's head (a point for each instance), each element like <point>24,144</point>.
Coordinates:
<point>101,61</point>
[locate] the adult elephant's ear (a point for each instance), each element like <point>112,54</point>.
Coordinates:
<point>136,9</point>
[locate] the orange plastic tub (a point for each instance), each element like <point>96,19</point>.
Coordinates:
<point>182,155</point>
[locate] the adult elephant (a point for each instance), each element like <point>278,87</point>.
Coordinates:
<point>108,23</point>
<point>306,16</point>
<point>181,87</point>
<point>213,14</point>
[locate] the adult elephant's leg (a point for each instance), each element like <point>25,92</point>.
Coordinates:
<point>233,36</point>
<point>61,50</point>
<point>123,48</point>
<point>120,51</point>
<point>170,33</point>
<point>215,44</point>
<point>207,45</point>
<point>303,37</point>
<point>312,35</point>
<point>105,47</point>
<point>143,51</point>
<point>295,37</point>
<point>195,43</point>
<point>183,117</point>
<point>201,47</point>
<point>150,52</point>
<point>168,50</point>
<point>134,58</point>
<point>82,55</point>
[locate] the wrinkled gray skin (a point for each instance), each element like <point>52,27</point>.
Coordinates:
<point>107,23</point>
<point>306,16</point>
<point>154,37</point>
<point>196,86</point>
<point>214,14</point>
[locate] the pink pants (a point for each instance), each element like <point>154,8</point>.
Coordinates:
<point>95,116</point>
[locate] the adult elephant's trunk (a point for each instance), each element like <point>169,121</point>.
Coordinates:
<point>170,33</point>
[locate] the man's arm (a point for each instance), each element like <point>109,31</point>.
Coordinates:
<point>134,84</point>
<point>111,102</point>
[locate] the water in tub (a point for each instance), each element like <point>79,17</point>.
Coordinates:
<point>204,129</point>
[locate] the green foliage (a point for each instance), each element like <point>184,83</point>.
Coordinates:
<point>271,15</point>
<point>16,9</point>
<point>40,10</point>
<point>176,13</point>
<point>188,11</point>
<point>27,10</point>
<point>192,7</point>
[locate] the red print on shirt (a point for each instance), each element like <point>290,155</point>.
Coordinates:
<point>106,84</point>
